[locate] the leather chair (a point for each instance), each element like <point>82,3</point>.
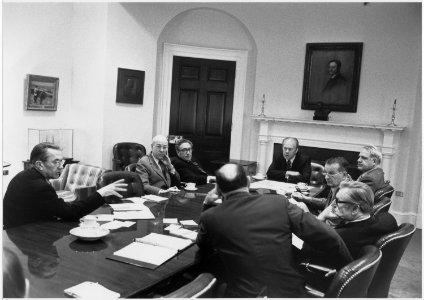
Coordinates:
<point>352,280</point>
<point>386,191</point>
<point>316,174</point>
<point>201,286</point>
<point>392,245</point>
<point>134,189</point>
<point>77,181</point>
<point>126,153</point>
<point>382,206</point>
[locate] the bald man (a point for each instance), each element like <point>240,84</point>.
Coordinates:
<point>246,240</point>
<point>156,170</point>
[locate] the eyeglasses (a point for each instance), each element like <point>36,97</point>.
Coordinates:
<point>161,147</point>
<point>58,162</point>
<point>329,174</point>
<point>338,201</point>
<point>185,150</point>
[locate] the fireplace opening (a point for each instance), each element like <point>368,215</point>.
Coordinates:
<point>320,155</point>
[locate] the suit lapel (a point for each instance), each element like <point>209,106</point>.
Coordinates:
<point>157,169</point>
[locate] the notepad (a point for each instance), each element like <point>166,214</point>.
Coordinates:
<point>151,251</point>
<point>128,206</point>
<point>91,290</point>
<point>134,215</point>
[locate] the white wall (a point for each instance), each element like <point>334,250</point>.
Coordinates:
<point>32,45</point>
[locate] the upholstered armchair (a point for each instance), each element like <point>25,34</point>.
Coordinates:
<point>77,181</point>
<point>385,191</point>
<point>126,153</point>
<point>392,245</point>
<point>316,174</point>
<point>351,281</point>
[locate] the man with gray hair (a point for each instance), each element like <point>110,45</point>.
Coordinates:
<point>156,170</point>
<point>250,235</point>
<point>368,163</point>
<point>354,203</point>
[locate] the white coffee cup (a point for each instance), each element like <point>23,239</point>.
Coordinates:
<point>190,185</point>
<point>89,221</point>
<point>259,175</point>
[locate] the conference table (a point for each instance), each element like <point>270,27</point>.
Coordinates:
<point>54,260</point>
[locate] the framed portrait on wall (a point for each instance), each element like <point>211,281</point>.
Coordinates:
<point>331,76</point>
<point>130,86</point>
<point>41,92</point>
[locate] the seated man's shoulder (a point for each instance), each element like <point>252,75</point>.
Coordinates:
<point>175,160</point>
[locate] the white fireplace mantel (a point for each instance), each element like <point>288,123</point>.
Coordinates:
<point>327,134</point>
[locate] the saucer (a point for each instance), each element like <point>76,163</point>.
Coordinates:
<point>258,178</point>
<point>89,233</point>
<point>187,189</point>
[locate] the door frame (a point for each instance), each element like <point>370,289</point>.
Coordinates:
<point>165,84</point>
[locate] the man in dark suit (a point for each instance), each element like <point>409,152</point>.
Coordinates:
<point>290,166</point>
<point>156,170</point>
<point>354,203</point>
<point>247,240</point>
<point>187,166</point>
<point>368,163</point>
<point>30,197</point>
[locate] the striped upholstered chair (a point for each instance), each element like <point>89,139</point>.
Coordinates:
<point>77,181</point>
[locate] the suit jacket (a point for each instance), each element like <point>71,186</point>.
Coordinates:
<point>251,235</point>
<point>30,198</point>
<point>188,171</point>
<point>152,177</point>
<point>302,164</point>
<point>366,232</point>
<point>374,178</point>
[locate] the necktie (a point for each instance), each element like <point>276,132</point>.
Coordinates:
<point>162,166</point>
<point>288,165</point>
<point>198,167</point>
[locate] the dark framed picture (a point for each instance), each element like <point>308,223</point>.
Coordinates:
<point>130,86</point>
<point>331,77</point>
<point>41,92</point>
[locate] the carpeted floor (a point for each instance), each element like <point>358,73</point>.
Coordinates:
<point>407,281</point>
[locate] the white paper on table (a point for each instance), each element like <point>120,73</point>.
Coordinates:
<point>134,215</point>
<point>166,241</point>
<point>170,220</point>
<point>154,198</point>
<point>188,223</point>
<point>184,233</point>
<point>151,254</point>
<point>136,200</point>
<point>117,224</point>
<point>297,242</point>
<point>127,206</point>
<point>173,227</point>
<point>274,185</point>
<point>91,290</point>
<point>218,201</point>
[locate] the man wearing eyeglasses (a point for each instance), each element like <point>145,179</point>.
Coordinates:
<point>353,204</point>
<point>368,163</point>
<point>30,197</point>
<point>156,170</point>
<point>188,166</point>
<point>334,172</point>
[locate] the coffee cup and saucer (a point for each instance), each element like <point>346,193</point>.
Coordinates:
<point>259,176</point>
<point>190,186</point>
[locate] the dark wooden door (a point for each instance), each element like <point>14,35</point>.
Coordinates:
<point>202,106</point>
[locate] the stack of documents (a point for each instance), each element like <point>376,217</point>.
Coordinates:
<point>154,198</point>
<point>284,187</point>
<point>151,251</point>
<point>178,230</point>
<point>131,211</point>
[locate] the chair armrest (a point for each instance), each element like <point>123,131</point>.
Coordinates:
<point>313,293</point>
<point>196,288</point>
<point>318,268</point>
<point>83,192</point>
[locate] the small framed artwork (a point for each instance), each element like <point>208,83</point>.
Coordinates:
<point>130,86</point>
<point>331,76</point>
<point>41,93</point>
